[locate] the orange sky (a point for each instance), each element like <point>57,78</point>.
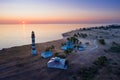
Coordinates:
<point>59,11</point>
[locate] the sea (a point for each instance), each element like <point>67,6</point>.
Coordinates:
<point>20,34</point>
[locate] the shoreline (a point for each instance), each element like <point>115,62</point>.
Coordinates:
<point>30,44</point>
<point>37,44</point>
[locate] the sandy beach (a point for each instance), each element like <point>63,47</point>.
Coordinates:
<point>17,63</point>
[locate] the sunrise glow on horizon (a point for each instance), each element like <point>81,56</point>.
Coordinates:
<point>59,11</point>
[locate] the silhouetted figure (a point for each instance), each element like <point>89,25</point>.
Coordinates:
<point>34,51</point>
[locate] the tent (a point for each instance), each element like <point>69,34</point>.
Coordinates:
<point>46,54</point>
<point>82,47</point>
<point>64,47</point>
<point>57,62</point>
<point>67,46</point>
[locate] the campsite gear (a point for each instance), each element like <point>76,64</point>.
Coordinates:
<point>68,45</point>
<point>57,62</point>
<point>47,54</point>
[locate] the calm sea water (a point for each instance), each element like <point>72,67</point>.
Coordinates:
<point>20,34</point>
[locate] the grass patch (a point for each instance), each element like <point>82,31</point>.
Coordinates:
<point>61,56</point>
<point>19,65</point>
<point>105,50</point>
<point>88,73</point>
<point>56,54</point>
<point>68,51</point>
<point>100,61</point>
<point>115,48</point>
<point>74,77</point>
<point>102,41</point>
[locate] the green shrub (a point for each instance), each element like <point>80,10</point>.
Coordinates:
<point>73,40</point>
<point>100,61</point>
<point>114,43</point>
<point>56,54</point>
<point>83,35</point>
<point>47,49</point>
<point>75,35</point>
<point>62,44</point>
<point>74,77</point>
<point>68,51</point>
<point>52,47</point>
<point>61,56</point>
<point>102,41</point>
<point>19,65</point>
<point>105,50</point>
<point>88,73</point>
<point>87,43</point>
<point>115,48</point>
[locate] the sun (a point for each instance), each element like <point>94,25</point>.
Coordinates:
<point>23,22</point>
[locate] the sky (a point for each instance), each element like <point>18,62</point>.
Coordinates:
<point>59,11</point>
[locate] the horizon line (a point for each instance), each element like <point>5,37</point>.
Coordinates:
<point>69,23</point>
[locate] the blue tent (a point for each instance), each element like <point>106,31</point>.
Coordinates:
<point>81,49</point>
<point>84,46</point>
<point>57,62</point>
<point>67,46</point>
<point>46,54</point>
<point>64,47</point>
